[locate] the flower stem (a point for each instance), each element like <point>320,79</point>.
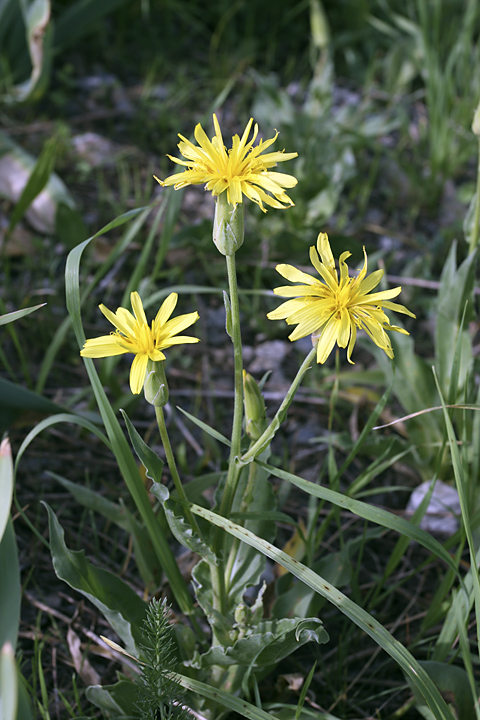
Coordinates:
<point>233,474</point>
<point>233,468</point>
<point>246,501</point>
<point>173,469</point>
<point>267,436</point>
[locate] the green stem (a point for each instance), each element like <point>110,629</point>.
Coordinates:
<point>173,469</point>
<point>246,501</point>
<point>267,436</point>
<point>233,324</point>
<point>476,219</point>
<point>233,467</point>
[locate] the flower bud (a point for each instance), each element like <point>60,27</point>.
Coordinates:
<point>228,225</point>
<point>155,386</point>
<point>255,420</point>
<point>241,614</point>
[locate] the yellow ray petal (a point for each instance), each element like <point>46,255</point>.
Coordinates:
<point>137,308</point>
<point>104,346</point>
<point>117,320</point>
<point>138,372</point>
<point>178,324</point>
<point>294,275</point>
<point>166,309</point>
<point>326,341</point>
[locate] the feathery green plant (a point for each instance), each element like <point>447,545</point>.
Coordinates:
<point>160,696</point>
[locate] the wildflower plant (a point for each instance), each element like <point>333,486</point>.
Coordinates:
<point>233,538</point>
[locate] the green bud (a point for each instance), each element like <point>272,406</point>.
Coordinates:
<point>228,225</point>
<point>241,614</point>
<point>155,386</point>
<point>476,121</point>
<point>255,419</point>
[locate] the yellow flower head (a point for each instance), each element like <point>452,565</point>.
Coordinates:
<point>331,309</point>
<point>240,170</point>
<point>134,335</point>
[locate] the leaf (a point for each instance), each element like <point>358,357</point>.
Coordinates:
<point>53,420</point>
<point>456,288</point>
<point>293,599</point>
<point>180,528</point>
<point>10,591</point>
<point>123,454</point>
<point>139,215</point>
<point>353,611</point>
<point>36,16</point>
<point>248,565</point>
<point>145,558</point>
<point>149,459</point>
<point>206,428</point>
<point>120,605</point>
<point>270,642</point>
<point>462,482</point>
<point>153,465</point>
<point>225,699</point>
<point>120,699</point>
<point>369,512</point>
<point>24,176</point>
<point>17,402</point>
<point>8,683</point>
<point>228,314</point>
<point>202,580</point>
<point>37,180</point>
<point>17,314</point>
<point>452,681</point>
<point>6,484</point>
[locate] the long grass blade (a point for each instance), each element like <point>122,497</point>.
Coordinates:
<point>367,512</point>
<point>461,484</point>
<point>123,454</point>
<point>354,612</point>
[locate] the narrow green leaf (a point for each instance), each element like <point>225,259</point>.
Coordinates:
<point>303,693</point>
<point>141,214</point>
<point>36,182</point>
<point>354,612</point>
<point>10,591</point>
<point>17,314</point>
<point>452,681</point>
<point>6,483</point>
<point>148,457</point>
<point>368,512</point>
<point>461,482</point>
<point>206,428</point>
<point>8,683</point>
<point>225,699</point>
<point>126,461</point>
<point>17,400</point>
<point>363,436</point>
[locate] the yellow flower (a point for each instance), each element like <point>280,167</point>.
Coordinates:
<point>135,335</point>
<point>331,309</point>
<point>240,171</point>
